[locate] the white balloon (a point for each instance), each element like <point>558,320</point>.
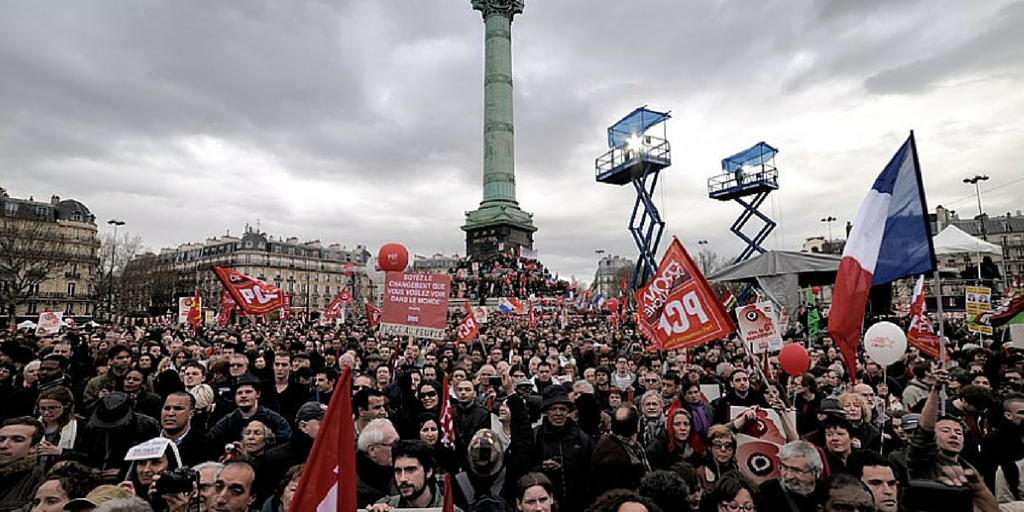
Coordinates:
<point>885,342</point>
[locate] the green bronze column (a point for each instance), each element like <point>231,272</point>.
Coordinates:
<point>498,223</point>
<point>499,134</point>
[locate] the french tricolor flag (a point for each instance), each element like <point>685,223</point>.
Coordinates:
<point>890,239</point>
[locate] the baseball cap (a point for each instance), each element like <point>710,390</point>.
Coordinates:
<point>311,411</point>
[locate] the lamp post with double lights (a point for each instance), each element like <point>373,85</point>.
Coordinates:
<point>976,180</point>
<point>828,221</point>
<point>110,278</point>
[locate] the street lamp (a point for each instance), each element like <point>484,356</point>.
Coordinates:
<point>702,242</point>
<point>975,180</point>
<point>829,220</point>
<point>110,279</point>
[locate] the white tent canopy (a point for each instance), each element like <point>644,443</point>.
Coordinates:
<point>954,240</point>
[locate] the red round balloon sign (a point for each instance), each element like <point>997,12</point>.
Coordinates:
<point>613,304</point>
<point>794,359</point>
<point>393,258</point>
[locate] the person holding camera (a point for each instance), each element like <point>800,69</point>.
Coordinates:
<point>157,475</point>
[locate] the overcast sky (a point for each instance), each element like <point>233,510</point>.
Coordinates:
<point>360,122</point>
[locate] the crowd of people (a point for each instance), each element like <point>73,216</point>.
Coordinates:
<point>569,417</point>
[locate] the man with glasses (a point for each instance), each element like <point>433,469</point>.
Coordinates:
<point>374,473</point>
<point>799,468</point>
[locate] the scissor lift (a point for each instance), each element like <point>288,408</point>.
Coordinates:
<point>636,156</point>
<point>751,173</point>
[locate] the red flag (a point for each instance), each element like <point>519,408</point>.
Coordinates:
<point>669,416</point>
<point>920,333</point>
<point>287,305</point>
<point>533,320</point>
<point>227,305</point>
<point>372,315</point>
<point>468,327</point>
<point>195,311</point>
<point>448,505</point>
<point>447,424</point>
<point>329,480</point>
<point>252,295</point>
<point>678,308</point>
<point>334,308</point>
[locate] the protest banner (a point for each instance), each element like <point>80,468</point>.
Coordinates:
<point>184,306</point>
<point>415,304</point>
<point>759,327</point>
<point>49,323</point>
<point>758,443</point>
<point>678,308</point>
<point>978,299</point>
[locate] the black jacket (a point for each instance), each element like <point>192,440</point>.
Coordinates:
<point>777,498</point>
<point>275,462</point>
<point>468,418</point>
<point>373,481</point>
<point>574,449</point>
<point>106,448</point>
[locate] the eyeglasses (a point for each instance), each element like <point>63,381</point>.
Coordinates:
<point>428,394</point>
<point>236,365</point>
<point>736,507</point>
<point>724,446</point>
<point>387,445</point>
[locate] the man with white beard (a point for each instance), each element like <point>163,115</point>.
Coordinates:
<point>799,469</point>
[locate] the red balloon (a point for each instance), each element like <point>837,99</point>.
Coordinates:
<point>613,304</point>
<point>794,359</point>
<point>393,258</point>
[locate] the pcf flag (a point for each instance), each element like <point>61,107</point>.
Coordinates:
<point>468,327</point>
<point>328,483</point>
<point>890,239</point>
<point>372,315</point>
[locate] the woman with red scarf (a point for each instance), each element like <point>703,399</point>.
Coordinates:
<point>679,443</point>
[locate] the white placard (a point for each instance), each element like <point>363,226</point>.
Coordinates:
<point>49,323</point>
<point>152,449</point>
<point>759,327</point>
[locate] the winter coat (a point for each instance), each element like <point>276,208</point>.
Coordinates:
<point>574,448</point>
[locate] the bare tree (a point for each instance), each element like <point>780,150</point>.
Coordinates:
<point>114,257</point>
<point>710,261</point>
<point>31,252</point>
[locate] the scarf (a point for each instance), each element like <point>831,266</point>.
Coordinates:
<point>637,454</point>
<point>19,466</point>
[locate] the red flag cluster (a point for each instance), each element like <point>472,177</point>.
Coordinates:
<point>678,308</point>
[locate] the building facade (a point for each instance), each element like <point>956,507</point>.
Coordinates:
<point>48,258</point>
<point>611,270</point>
<point>1006,231</point>
<point>436,264</point>
<point>308,271</point>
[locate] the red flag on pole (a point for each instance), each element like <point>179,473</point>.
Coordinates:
<point>195,311</point>
<point>449,504</point>
<point>447,424</point>
<point>468,327</point>
<point>329,481</point>
<point>920,333</point>
<point>372,315</point>
<point>253,296</point>
<point>678,308</point>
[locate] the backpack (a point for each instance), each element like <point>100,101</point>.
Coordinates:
<point>489,503</point>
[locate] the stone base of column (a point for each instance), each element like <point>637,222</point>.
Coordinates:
<point>494,230</point>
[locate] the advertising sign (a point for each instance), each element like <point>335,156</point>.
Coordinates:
<point>184,305</point>
<point>759,327</point>
<point>415,304</point>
